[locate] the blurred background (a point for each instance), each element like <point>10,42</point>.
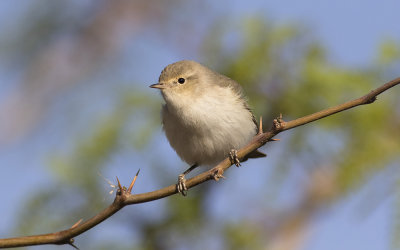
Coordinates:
<point>75,109</point>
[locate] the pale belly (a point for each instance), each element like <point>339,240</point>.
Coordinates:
<point>205,137</point>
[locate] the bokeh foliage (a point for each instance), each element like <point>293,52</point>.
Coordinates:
<point>283,69</point>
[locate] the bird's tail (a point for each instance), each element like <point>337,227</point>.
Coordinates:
<point>256,154</point>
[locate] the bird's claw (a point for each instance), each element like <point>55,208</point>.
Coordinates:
<point>181,185</point>
<point>233,157</point>
<point>278,123</point>
<point>217,175</point>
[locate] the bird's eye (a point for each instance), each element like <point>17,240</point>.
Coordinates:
<point>181,80</point>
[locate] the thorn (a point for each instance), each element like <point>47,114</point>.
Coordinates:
<point>260,128</point>
<point>119,185</point>
<point>71,243</point>
<point>274,139</point>
<point>77,223</point>
<point>133,182</point>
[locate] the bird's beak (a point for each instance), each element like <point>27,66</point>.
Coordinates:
<point>157,86</point>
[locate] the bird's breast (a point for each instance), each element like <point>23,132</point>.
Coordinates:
<point>203,130</point>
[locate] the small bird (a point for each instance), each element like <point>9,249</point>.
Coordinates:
<point>205,116</point>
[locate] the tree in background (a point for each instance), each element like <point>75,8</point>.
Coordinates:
<point>80,60</point>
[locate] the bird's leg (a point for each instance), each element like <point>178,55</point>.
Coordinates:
<point>181,185</point>
<point>233,157</point>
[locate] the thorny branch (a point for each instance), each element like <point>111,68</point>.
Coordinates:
<point>124,197</point>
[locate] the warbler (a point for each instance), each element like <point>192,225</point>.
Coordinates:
<point>206,117</point>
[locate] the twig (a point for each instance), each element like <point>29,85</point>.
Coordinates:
<point>123,196</point>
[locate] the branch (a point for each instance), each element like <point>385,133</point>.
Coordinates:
<point>124,196</point>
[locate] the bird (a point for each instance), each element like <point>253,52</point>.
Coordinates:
<point>206,116</point>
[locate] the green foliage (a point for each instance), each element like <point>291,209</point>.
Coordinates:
<point>244,235</point>
<point>389,53</point>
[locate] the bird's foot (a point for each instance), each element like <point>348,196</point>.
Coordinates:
<point>233,157</point>
<point>278,123</point>
<point>217,175</point>
<point>181,185</point>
